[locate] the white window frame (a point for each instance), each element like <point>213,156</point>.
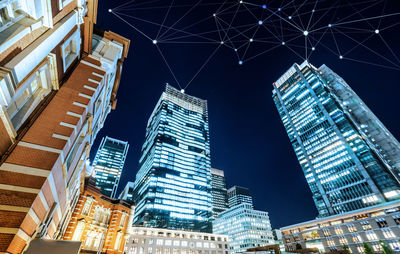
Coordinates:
<point>10,12</point>
<point>78,231</point>
<point>63,3</point>
<point>75,39</point>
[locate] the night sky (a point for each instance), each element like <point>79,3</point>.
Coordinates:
<point>248,140</point>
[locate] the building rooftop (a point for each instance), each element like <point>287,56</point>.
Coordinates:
<point>345,215</point>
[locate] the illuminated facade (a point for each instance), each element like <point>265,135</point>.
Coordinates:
<point>247,228</point>
<point>165,241</point>
<point>127,192</point>
<point>350,160</point>
<point>352,229</point>
<point>99,222</point>
<point>238,195</point>
<point>173,184</point>
<point>218,192</point>
<point>108,164</point>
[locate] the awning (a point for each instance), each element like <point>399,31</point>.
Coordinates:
<point>47,246</point>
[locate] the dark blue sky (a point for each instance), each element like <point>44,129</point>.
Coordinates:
<point>248,140</point>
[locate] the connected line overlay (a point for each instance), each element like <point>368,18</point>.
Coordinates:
<point>358,31</point>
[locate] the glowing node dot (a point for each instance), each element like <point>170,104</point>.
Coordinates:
<point>290,17</point>
<point>313,48</point>
<point>182,90</point>
<point>313,10</point>
<point>283,43</point>
<point>222,42</point>
<point>214,15</point>
<point>260,22</point>
<point>330,25</point>
<point>240,62</point>
<point>377,31</point>
<point>241,2</point>
<point>251,39</point>
<point>154,41</point>
<point>279,9</point>
<point>341,57</point>
<point>109,10</point>
<point>235,49</point>
<point>264,6</point>
<point>305,33</point>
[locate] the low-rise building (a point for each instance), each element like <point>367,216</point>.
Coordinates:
<point>99,222</point>
<point>246,227</point>
<point>166,241</point>
<point>351,229</point>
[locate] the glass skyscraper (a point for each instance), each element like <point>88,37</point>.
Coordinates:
<point>350,160</point>
<point>127,193</point>
<point>173,184</point>
<point>218,192</point>
<point>238,195</point>
<point>108,164</point>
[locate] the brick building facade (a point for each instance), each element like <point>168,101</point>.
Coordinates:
<point>99,222</point>
<point>59,76</point>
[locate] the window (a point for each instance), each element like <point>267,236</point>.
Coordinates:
<point>63,3</point>
<point>73,152</point>
<point>27,96</point>
<point>78,231</point>
<point>342,240</point>
<point>338,231</point>
<point>356,238</point>
<point>396,219</point>
<point>123,219</point>
<point>87,206</point>
<point>382,223</point>
<point>326,232</point>
<point>388,233</point>
<point>118,240</point>
<point>6,88</point>
<point>395,245</point>
<point>365,225</point>
<point>330,242</point>
<point>4,17</point>
<point>371,235</point>
<point>70,49</point>
<point>351,228</point>
<point>377,247</point>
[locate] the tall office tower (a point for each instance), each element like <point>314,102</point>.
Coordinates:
<point>218,192</point>
<point>349,159</point>
<point>247,228</point>
<point>57,87</point>
<point>127,192</point>
<point>238,195</point>
<point>173,184</point>
<point>108,165</point>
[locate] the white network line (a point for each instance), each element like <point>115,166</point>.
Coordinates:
<point>251,30</point>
